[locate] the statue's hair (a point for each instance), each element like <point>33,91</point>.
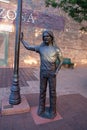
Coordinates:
<point>51,35</point>
<point>49,32</point>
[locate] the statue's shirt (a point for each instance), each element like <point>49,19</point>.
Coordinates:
<point>48,55</point>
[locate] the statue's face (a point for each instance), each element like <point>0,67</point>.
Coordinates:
<point>47,38</point>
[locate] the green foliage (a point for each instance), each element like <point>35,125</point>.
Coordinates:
<point>77,9</point>
<point>53,3</point>
<point>84,29</point>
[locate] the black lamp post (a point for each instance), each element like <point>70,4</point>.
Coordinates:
<point>15,97</point>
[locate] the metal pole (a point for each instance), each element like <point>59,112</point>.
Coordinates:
<point>15,97</point>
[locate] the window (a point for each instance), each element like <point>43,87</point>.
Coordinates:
<point>3,48</point>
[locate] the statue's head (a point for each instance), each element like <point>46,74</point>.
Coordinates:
<point>48,34</point>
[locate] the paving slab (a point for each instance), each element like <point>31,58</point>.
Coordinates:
<point>39,120</point>
<point>8,109</point>
<point>71,107</point>
<point>71,100</point>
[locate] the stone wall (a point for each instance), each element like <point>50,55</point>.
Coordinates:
<point>68,37</point>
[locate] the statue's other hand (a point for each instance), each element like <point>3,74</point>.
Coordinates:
<point>53,74</point>
<point>21,36</point>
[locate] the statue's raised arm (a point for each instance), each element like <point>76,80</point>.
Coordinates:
<point>26,45</point>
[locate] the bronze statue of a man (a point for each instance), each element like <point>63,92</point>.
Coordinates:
<point>49,54</point>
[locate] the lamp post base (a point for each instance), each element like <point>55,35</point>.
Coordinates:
<point>15,97</point>
<point>14,100</point>
<point>8,109</point>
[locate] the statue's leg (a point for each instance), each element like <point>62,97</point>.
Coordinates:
<point>52,96</point>
<point>42,97</point>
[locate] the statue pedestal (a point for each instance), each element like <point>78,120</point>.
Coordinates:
<point>40,120</point>
<point>8,109</point>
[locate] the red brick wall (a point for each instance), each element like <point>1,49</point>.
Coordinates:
<point>68,37</point>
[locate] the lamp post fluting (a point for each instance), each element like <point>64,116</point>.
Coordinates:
<point>15,97</point>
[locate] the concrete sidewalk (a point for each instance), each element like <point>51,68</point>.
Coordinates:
<point>71,99</point>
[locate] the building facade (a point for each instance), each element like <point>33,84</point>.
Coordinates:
<point>36,18</point>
